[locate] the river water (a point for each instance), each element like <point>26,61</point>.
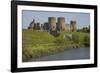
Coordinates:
<point>71,54</point>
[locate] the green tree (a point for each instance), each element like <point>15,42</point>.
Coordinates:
<point>87,40</point>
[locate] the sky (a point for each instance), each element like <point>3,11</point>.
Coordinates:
<point>83,19</point>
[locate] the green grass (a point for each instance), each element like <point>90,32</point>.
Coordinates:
<point>37,44</point>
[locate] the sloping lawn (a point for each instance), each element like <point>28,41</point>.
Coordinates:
<point>36,44</point>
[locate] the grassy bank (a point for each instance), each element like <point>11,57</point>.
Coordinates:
<point>36,44</point>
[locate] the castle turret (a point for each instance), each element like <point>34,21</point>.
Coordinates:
<point>52,23</point>
<point>61,24</point>
<point>73,26</point>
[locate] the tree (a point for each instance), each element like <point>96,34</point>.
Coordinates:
<point>87,40</point>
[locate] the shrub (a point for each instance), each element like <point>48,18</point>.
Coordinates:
<point>75,38</point>
<point>86,40</point>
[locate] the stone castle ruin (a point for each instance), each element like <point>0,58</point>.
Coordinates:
<point>73,26</point>
<point>54,25</point>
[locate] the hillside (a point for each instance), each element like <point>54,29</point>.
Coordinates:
<point>36,44</point>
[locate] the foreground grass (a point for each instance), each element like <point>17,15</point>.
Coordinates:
<point>36,44</point>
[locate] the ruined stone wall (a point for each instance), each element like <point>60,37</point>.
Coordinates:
<point>53,25</point>
<point>67,27</point>
<point>31,25</point>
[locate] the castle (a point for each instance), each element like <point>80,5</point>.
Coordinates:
<point>52,25</point>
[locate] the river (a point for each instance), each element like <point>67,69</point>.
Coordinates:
<point>72,54</point>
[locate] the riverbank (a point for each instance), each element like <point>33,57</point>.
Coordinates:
<point>71,54</point>
<point>38,44</point>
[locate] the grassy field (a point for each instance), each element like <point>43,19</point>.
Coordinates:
<point>36,44</point>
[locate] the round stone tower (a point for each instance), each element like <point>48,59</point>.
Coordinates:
<point>61,23</point>
<point>52,23</point>
<point>73,26</point>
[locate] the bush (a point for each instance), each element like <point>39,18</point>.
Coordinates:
<point>58,41</point>
<point>75,38</point>
<point>68,37</point>
<point>87,40</point>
